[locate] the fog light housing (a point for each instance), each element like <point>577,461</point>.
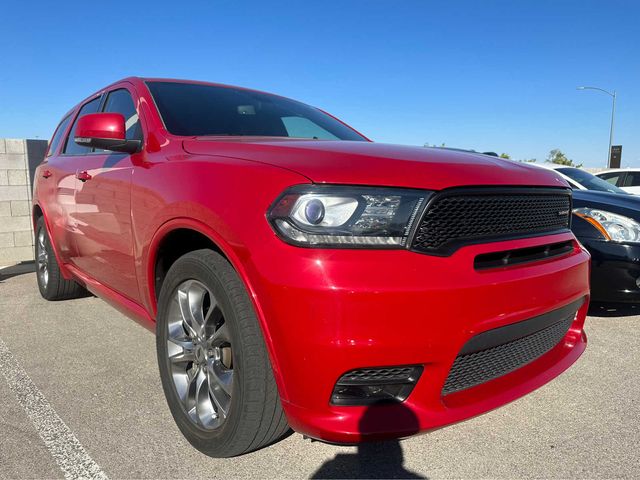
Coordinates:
<point>367,386</point>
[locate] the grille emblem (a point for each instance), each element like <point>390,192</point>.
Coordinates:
<point>562,213</point>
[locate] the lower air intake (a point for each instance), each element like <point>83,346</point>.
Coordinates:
<point>500,351</point>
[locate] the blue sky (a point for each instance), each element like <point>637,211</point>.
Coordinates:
<point>486,75</point>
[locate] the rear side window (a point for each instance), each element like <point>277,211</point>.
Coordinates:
<point>58,135</point>
<point>632,180</point>
<point>120,101</point>
<point>612,178</point>
<point>71,147</point>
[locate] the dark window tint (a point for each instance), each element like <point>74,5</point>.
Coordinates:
<point>58,135</point>
<point>301,127</point>
<point>120,101</point>
<point>632,180</point>
<point>612,178</point>
<point>193,109</point>
<point>71,147</point>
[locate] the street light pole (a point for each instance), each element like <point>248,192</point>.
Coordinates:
<point>613,113</point>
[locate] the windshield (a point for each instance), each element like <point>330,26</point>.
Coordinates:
<point>590,182</point>
<point>194,109</point>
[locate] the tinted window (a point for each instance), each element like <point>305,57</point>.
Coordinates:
<point>589,181</point>
<point>632,180</point>
<point>612,178</point>
<point>72,147</point>
<point>301,127</point>
<point>193,109</point>
<point>58,135</point>
<point>120,101</point>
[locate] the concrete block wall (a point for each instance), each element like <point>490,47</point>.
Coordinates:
<point>18,158</point>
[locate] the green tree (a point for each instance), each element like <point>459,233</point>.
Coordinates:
<point>505,155</point>
<point>556,156</point>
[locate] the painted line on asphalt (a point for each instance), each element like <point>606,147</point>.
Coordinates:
<point>64,447</point>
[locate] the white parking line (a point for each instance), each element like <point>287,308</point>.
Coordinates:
<point>64,447</point>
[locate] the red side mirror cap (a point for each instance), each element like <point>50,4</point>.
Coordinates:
<point>106,131</point>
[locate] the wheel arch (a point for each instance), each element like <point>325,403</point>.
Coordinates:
<point>200,235</point>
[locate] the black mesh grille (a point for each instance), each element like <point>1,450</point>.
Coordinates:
<point>478,367</point>
<point>373,375</point>
<point>453,219</point>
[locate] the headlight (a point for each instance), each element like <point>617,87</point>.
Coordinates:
<point>612,226</point>
<point>342,216</point>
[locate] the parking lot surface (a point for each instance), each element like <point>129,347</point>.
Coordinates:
<point>80,395</point>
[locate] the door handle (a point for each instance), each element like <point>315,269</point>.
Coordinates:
<point>83,176</point>
<point>47,173</point>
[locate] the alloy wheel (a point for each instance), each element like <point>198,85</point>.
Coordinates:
<point>200,355</point>
<point>43,258</point>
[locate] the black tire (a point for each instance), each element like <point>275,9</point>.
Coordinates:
<point>255,417</point>
<point>52,286</point>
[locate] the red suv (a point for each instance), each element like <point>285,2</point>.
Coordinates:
<point>297,274</point>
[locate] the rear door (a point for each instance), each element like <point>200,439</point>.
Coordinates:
<point>59,175</point>
<point>103,205</point>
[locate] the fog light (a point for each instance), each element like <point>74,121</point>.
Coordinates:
<point>367,386</point>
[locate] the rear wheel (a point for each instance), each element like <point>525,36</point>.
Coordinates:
<point>213,363</point>
<point>51,283</point>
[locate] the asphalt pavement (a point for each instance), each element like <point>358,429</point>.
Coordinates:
<point>80,396</point>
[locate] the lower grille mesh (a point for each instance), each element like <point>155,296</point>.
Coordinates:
<point>475,368</point>
<point>373,375</point>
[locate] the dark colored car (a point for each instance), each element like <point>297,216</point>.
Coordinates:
<point>608,225</point>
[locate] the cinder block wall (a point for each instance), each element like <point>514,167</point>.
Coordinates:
<point>18,158</point>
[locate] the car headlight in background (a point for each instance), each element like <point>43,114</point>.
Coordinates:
<point>611,225</point>
<point>348,217</point>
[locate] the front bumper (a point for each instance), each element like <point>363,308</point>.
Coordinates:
<point>331,311</point>
<point>615,270</point>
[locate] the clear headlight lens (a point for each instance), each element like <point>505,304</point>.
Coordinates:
<point>612,225</point>
<point>343,216</point>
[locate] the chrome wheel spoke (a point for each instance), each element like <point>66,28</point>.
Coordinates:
<point>220,385</point>
<point>191,299</point>
<point>181,351</point>
<point>220,336</point>
<point>204,407</point>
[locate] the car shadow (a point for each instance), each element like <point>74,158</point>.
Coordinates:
<point>599,309</point>
<point>18,269</point>
<point>374,459</point>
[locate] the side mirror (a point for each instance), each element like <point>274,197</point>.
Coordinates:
<point>106,131</point>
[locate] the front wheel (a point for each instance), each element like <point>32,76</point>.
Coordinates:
<point>213,363</point>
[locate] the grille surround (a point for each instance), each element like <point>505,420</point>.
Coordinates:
<point>497,352</point>
<point>457,217</point>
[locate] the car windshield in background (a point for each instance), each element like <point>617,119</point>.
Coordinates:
<point>589,181</point>
<point>191,109</point>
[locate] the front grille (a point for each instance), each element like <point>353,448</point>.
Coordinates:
<point>457,217</point>
<point>483,358</point>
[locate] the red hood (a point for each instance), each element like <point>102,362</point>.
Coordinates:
<point>365,163</point>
